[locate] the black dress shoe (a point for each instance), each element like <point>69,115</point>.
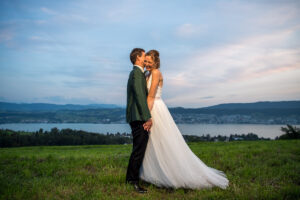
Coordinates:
<point>138,188</point>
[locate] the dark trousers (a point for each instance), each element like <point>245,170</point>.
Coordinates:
<point>140,140</point>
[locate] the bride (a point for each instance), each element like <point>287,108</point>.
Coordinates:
<point>168,160</point>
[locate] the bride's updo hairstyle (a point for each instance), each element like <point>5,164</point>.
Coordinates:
<point>155,57</point>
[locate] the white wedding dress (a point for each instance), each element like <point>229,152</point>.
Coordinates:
<point>168,160</point>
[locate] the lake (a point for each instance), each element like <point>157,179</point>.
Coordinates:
<point>262,130</point>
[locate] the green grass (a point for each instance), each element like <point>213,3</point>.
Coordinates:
<point>255,169</point>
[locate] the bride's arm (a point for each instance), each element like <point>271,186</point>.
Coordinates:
<point>153,88</point>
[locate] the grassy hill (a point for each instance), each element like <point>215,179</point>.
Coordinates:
<point>255,169</point>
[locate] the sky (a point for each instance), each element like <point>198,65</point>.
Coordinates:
<point>212,52</point>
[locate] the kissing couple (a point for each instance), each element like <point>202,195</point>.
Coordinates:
<point>160,154</point>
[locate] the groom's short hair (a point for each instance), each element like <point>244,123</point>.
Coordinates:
<point>134,53</point>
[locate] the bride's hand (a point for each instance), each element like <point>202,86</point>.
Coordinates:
<point>147,125</point>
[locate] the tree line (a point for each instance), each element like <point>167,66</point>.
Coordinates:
<point>10,138</point>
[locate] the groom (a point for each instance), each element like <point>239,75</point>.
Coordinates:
<point>138,116</point>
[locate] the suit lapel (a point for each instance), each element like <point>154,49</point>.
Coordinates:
<point>145,83</point>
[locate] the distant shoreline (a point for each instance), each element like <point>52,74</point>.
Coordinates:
<point>281,112</point>
<point>268,131</point>
<point>10,138</point>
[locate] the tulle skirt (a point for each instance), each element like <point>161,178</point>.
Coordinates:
<point>168,160</point>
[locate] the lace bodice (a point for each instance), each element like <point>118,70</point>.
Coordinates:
<point>159,89</point>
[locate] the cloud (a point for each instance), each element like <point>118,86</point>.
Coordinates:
<point>121,11</point>
<point>188,30</point>
<point>215,71</point>
<point>63,17</point>
<point>209,50</point>
<point>5,35</point>
<point>48,11</point>
<point>253,55</point>
<point>207,97</point>
<point>3,99</point>
<point>274,16</point>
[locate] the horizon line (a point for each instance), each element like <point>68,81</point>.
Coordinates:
<point>122,106</point>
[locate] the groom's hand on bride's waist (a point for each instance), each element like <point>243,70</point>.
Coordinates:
<point>147,125</point>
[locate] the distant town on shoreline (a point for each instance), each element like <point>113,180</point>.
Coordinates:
<point>264,112</point>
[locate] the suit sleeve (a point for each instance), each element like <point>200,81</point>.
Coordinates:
<point>140,96</point>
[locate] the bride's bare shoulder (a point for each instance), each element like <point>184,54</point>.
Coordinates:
<point>156,72</point>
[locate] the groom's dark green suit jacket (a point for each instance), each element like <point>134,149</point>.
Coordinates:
<point>137,107</point>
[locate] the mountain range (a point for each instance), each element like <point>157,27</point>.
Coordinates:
<point>264,112</point>
<point>5,106</point>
